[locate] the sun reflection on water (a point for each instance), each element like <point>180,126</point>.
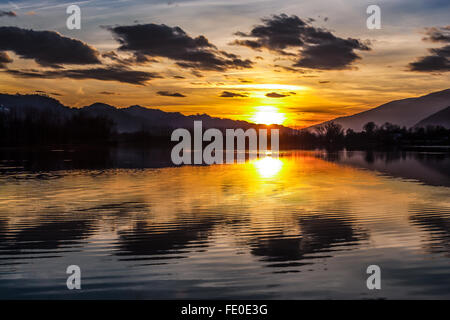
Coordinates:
<point>268,167</point>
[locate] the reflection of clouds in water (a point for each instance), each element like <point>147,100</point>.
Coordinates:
<point>118,208</point>
<point>3,230</point>
<point>435,220</point>
<point>47,235</point>
<point>145,239</point>
<point>318,234</point>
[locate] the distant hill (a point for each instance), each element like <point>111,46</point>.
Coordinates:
<point>32,102</point>
<point>127,120</point>
<point>440,118</point>
<point>407,112</point>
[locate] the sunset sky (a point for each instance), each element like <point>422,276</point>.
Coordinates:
<point>295,62</point>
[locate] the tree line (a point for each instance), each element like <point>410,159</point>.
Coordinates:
<point>332,135</point>
<point>34,127</point>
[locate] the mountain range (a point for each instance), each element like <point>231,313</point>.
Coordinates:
<point>440,118</point>
<point>431,109</point>
<point>412,112</point>
<point>127,120</point>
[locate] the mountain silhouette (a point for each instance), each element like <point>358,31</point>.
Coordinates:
<point>406,112</point>
<point>440,118</point>
<point>22,103</point>
<point>127,120</point>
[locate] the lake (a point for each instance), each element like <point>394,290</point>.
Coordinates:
<point>305,225</point>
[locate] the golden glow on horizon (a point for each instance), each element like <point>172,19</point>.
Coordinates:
<point>268,167</point>
<point>268,115</point>
<point>265,86</point>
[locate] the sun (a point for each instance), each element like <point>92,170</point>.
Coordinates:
<point>268,115</point>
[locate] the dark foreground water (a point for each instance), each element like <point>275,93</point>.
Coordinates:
<point>304,226</point>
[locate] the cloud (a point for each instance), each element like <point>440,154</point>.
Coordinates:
<point>314,48</point>
<point>228,94</point>
<point>108,93</point>
<point>50,49</point>
<point>435,34</point>
<point>437,61</point>
<point>170,94</point>
<point>276,34</point>
<point>197,74</point>
<point>317,110</point>
<point>135,59</point>
<point>155,40</point>
<point>276,95</point>
<point>330,55</point>
<point>7,14</point>
<point>114,73</point>
<point>289,69</point>
<point>4,59</point>
<point>439,58</point>
<point>48,93</point>
<point>47,48</point>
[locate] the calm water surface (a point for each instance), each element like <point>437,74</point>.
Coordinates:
<point>304,226</point>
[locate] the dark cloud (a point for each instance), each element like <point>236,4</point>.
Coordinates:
<point>289,69</point>
<point>153,40</point>
<point>135,59</point>
<point>197,74</point>
<point>276,34</point>
<point>120,74</point>
<point>330,55</point>
<point>439,58</point>
<point>113,56</point>
<point>7,14</point>
<point>316,48</point>
<point>276,95</point>
<point>170,94</point>
<point>49,93</point>
<point>4,59</point>
<point>434,62</point>
<point>48,48</point>
<point>108,93</point>
<point>434,34</point>
<point>318,110</point>
<point>228,94</point>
